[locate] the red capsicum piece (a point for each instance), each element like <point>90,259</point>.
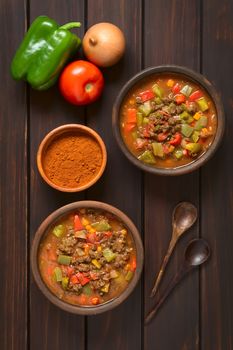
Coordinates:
<point>68,270</point>
<point>131,116</point>
<point>133,264</point>
<point>195,95</point>
<point>91,237</point>
<point>82,279</point>
<point>74,279</point>
<point>180,99</point>
<point>176,88</point>
<point>176,140</point>
<point>131,119</point>
<point>146,95</point>
<point>77,223</point>
<point>162,137</point>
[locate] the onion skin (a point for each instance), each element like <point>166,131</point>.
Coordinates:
<point>104,44</point>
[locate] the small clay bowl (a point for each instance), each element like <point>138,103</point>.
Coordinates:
<point>43,231</point>
<point>181,72</point>
<point>62,130</point>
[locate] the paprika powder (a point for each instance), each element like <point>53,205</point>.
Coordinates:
<point>72,159</point>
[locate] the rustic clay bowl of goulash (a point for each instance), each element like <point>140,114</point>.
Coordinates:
<point>71,158</point>
<point>168,120</point>
<point>87,257</point>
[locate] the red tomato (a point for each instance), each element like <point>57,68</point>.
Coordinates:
<point>176,139</point>
<point>77,223</point>
<point>81,83</point>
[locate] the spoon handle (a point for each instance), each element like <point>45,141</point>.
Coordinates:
<point>163,266</point>
<point>173,283</point>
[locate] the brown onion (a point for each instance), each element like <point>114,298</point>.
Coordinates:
<point>104,44</point>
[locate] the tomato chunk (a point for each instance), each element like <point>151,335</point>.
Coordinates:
<point>77,223</point>
<point>176,140</point>
<point>176,88</point>
<point>195,95</point>
<point>82,279</point>
<point>131,116</point>
<point>180,99</point>
<point>162,137</point>
<point>146,95</point>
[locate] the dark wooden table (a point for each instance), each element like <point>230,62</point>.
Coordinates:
<point>198,315</point>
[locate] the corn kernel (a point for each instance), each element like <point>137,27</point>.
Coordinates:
<point>85,222</point>
<point>170,83</point>
<point>124,232</point>
<point>127,267</point>
<point>197,116</point>
<point>131,102</point>
<point>92,230</point>
<point>171,148</point>
<point>88,227</point>
<point>99,249</point>
<point>204,132</point>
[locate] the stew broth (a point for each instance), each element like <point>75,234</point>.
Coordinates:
<point>168,121</point>
<point>87,258</point>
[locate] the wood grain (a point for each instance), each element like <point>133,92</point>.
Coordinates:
<point>51,328</point>
<point>121,183</point>
<point>171,36</point>
<point>13,185</point>
<point>217,187</point>
<point>197,316</point>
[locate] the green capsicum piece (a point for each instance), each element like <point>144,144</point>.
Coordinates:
<point>100,226</point>
<point>59,230</point>
<point>43,52</point>
<point>57,274</point>
<point>147,157</point>
<point>64,259</point>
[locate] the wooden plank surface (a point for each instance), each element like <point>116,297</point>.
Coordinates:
<point>217,185</point>
<point>13,185</point>
<point>171,36</point>
<point>120,186</point>
<point>198,315</point>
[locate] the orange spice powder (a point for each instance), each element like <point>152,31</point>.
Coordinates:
<point>72,160</point>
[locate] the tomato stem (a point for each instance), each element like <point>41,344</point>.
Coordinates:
<point>88,87</point>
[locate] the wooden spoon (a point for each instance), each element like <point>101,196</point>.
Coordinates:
<point>183,217</point>
<point>196,253</point>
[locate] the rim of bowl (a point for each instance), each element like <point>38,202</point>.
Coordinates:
<point>58,131</point>
<point>197,78</point>
<point>44,229</point>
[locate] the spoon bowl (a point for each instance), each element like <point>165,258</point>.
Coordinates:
<point>197,252</point>
<point>184,216</point>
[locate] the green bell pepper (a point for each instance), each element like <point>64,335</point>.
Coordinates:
<point>64,259</point>
<point>43,52</point>
<point>202,103</point>
<point>147,157</point>
<point>201,123</point>
<point>101,226</point>
<point>59,230</point>
<point>129,276</point>
<point>57,274</point>
<point>186,130</point>
<point>158,149</point>
<point>157,90</point>
<point>193,148</point>
<point>145,108</point>
<point>109,254</point>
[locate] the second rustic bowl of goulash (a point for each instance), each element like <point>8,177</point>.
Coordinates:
<point>168,120</point>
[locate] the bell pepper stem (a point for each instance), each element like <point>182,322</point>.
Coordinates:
<point>70,25</point>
